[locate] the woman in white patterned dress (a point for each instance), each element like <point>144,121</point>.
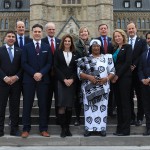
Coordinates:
<point>95,71</point>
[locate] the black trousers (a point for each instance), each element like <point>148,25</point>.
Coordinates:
<point>11,92</point>
<point>146,103</point>
<point>122,97</point>
<point>52,91</point>
<point>29,90</point>
<point>136,86</point>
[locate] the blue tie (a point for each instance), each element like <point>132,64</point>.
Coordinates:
<point>21,42</point>
<point>10,54</point>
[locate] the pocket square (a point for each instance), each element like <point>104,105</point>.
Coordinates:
<point>44,51</point>
<point>122,49</point>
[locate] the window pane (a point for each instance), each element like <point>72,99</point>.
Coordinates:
<point>126,4</point>
<point>147,24</point>
<point>2,24</point>
<point>123,23</point>
<point>138,4</point>
<point>143,24</point>
<point>6,24</point>
<point>139,23</point>
<point>69,1</point>
<point>119,23</point>
<point>78,1</point>
<point>26,24</point>
<point>73,1</point>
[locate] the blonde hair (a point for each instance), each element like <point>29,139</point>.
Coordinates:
<point>82,28</point>
<point>124,35</point>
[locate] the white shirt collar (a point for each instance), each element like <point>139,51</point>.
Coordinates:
<point>18,36</point>
<point>36,42</point>
<point>7,46</point>
<point>134,38</point>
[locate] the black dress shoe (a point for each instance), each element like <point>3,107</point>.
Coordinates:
<point>147,132</point>
<point>139,123</point>
<point>63,133</point>
<point>121,134</point>
<point>103,133</point>
<point>15,133</point>
<point>132,122</point>
<point>87,133</point>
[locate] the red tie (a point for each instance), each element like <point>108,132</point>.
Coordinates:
<point>105,45</point>
<point>52,46</point>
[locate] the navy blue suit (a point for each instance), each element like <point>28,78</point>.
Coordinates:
<point>26,41</point>
<point>109,47</point>
<point>144,73</point>
<point>31,64</point>
<point>8,68</point>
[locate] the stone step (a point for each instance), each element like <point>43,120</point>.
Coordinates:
<point>78,130</point>
<point>76,140</point>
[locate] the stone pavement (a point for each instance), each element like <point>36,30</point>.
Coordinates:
<point>78,148</point>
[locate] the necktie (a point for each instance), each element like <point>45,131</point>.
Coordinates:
<point>52,46</point>
<point>131,42</point>
<point>105,45</point>
<point>21,42</point>
<point>148,56</point>
<point>10,54</point>
<point>37,48</point>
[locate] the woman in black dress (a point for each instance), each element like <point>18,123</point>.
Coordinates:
<point>66,73</point>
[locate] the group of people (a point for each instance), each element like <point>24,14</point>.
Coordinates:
<point>100,74</point>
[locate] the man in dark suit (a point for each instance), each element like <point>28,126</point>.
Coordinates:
<point>138,47</point>
<point>54,44</point>
<point>10,82</point>
<point>36,62</point>
<point>144,76</point>
<point>21,39</point>
<point>107,48</point>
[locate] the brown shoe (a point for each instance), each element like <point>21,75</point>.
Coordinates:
<point>25,134</point>
<point>45,134</point>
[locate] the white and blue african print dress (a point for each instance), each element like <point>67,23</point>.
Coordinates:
<point>95,97</point>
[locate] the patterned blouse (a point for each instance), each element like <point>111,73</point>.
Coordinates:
<point>99,67</point>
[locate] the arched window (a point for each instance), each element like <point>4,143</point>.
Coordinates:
<point>6,24</point>
<point>26,24</point>
<point>147,23</point>
<point>139,23</point>
<point>143,23</point>
<point>2,24</point>
<point>123,23</point>
<point>119,23</point>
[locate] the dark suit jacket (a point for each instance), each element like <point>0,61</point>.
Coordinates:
<point>139,47</point>
<point>27,40</point>
<point>32,63</point>
<point>8,68</point>
<point>62,70</point>
<point>144,67</point>
<point>123,62</point>
<point>57,42</point>
<point>110,46</point>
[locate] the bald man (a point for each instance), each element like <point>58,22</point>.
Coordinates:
<point>21,39</point>
<point>54,43</point>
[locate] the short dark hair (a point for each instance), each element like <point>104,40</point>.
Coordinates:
<point>147,34</point>
<point>102,25</point>
<point>37,25</point>
<point>10,31</point>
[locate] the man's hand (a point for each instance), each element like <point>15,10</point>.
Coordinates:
<point>146,81</point>
<point>133,67</point>
<point>7,80</point>
<point>13,79</point>
<point>114,79</point>
<point>37,76</point>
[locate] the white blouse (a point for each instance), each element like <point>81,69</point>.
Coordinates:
<point>68,57</point>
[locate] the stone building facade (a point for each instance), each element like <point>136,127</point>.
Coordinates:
<point>69,15</point>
